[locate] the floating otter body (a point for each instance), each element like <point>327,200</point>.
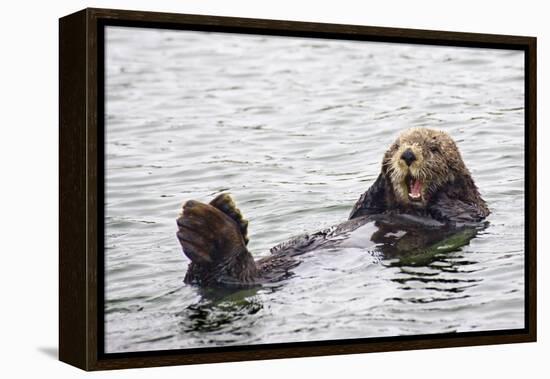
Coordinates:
<point>424,195</point>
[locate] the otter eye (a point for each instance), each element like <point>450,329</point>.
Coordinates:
<point>434,149</point>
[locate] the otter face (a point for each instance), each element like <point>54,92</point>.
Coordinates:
<point>419,163</point>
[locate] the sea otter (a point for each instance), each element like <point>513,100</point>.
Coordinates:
<point>423,195</point>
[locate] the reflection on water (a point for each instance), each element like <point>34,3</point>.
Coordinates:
<point>418,246</point>
<point>219,309</point>
<point>295,130</point>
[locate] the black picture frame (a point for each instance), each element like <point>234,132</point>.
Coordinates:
<point>81,183</point>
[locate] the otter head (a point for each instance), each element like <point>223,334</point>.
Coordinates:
<point>419,163</point>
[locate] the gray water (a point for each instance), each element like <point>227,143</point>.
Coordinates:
<point>295,130</point>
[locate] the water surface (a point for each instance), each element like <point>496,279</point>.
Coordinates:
<point>295,130</point>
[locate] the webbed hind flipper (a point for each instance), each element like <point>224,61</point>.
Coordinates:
<point>225,203</point>
<point>214,243</point>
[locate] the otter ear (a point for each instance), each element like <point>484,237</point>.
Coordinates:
<point>388,155</point>
<point>225,203</point>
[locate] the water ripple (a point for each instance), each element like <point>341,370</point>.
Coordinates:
<point>295,129</point>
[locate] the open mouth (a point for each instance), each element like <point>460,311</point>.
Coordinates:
<point>414,185</point>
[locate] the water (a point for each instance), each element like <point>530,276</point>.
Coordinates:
<point>295,130</point>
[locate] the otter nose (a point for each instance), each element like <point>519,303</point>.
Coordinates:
<point>408,156</point>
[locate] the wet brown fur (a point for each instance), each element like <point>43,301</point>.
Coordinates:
<point>214,236</point>
<point>447,182</point>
